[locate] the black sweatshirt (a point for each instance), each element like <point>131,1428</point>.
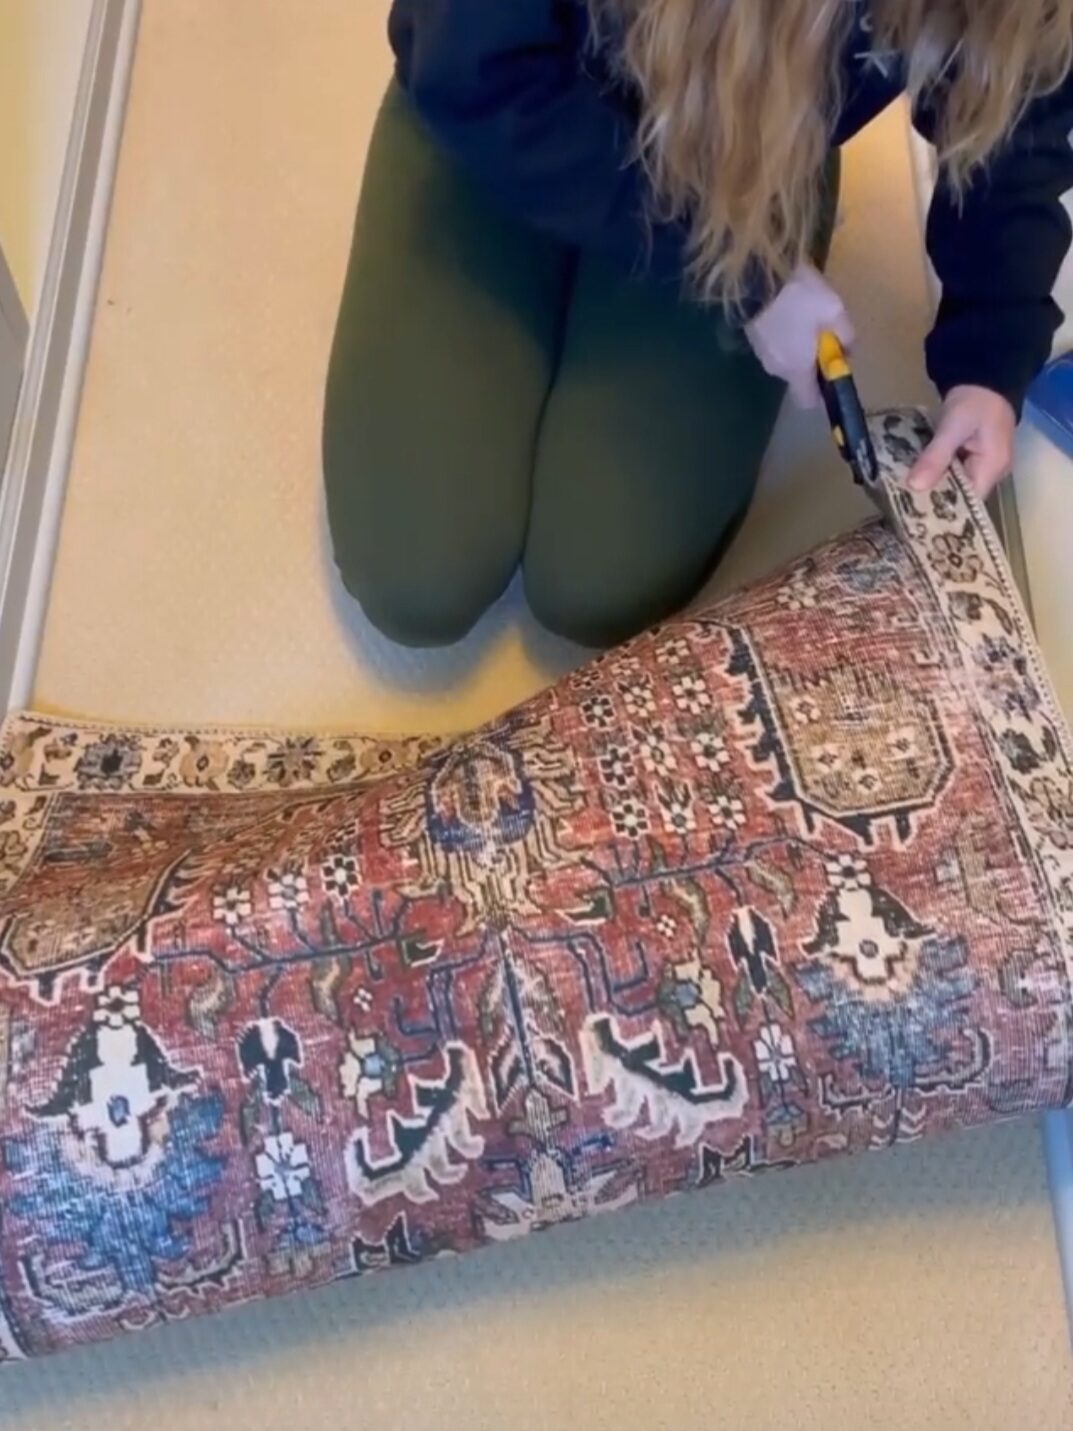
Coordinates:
<point>513,89</point>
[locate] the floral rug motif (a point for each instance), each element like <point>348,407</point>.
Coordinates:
<point>788,877</point>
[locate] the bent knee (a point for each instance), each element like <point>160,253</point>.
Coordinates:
<point>601,597</point>
<point>582,608</point>
<point>421,608</point>
<point>412,614</point>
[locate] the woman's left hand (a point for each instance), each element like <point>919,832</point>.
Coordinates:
<point>979,425</point>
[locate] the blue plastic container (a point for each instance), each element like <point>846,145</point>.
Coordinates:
<point>1050,402</point>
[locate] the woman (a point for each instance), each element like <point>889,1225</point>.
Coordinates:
<point>578,219</point>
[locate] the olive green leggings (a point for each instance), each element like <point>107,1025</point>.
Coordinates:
<point>495,400</point>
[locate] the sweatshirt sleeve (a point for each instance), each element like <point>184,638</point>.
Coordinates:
<point>502,85</point>
<point>998,254</point>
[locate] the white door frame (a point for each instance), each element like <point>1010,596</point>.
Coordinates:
<point>42,432</point>
<point>14,335</point>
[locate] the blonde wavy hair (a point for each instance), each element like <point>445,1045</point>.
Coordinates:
<point>739,99</point>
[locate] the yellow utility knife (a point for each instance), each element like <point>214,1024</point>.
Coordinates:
<point>849,425</point>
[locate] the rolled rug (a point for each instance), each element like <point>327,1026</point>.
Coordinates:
<point>789,877</point>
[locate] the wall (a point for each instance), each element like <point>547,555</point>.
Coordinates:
<point>41,46</point>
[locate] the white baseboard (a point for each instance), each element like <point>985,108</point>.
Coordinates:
<point>34,479</point>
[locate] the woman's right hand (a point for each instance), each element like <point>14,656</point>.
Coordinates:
<point>785,336</point>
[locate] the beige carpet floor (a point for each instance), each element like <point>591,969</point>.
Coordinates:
<point>916,1289</point>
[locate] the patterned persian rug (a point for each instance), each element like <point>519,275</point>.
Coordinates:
<point>786,878</point>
